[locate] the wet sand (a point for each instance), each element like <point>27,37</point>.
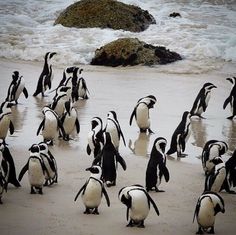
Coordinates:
<point>117,89</point>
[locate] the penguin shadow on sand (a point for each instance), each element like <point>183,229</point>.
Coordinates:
<point>140,146</point>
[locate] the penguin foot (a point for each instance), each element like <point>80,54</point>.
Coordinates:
<point>159,191</point>
<point>232,192</point>
<point>211,231</point>
<point>32,191</point>
<point>130,224</point>
<point>199,231</point>
<point>87,211</point>
<point>95,211</point>
<point>141,224</point>
<point>230,117</point>
<point>150,131</point>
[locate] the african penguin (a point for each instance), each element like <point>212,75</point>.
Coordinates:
<point>141,113</point>
<point>156,167</point>
<point>137,201</point>
<point>208,205</point>
<point>92,191</point>
<point>201,102</point>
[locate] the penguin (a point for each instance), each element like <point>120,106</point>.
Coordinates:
<point>49,161</point>
<point>215,179</point>
<point>201,102</point>
<point>113,127</point>
<point>69,120</point>
<point>16,87</point>
<point>50,125</point>
<point>108,159</point>
<point>141,113</point>
<point>82,89</point>
<point>36,170</point>
<point>92,191</point>
<point>231,98</point>
<point>95,137</point>
<point>138,202</point>
<point>209,204</point>
<point>46,77</point>
<point>5,120</point>
<point>211,150</point>
<point>156,167</point>
<point>180,136</point>
<point>8,165</point>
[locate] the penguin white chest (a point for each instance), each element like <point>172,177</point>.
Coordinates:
<point>142,116</point>
<point>4,126</point>
<point>93,194</point>
<point>111,128</point>
<point>69,123</point>
<point>35,173</point>
<point>220,177</point>
<point>50,126</point>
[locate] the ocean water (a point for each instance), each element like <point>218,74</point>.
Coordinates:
<point>205,35</point>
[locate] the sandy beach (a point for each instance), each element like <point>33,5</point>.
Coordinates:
<point>118,89</point>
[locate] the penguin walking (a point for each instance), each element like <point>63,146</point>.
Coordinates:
<point>156,167</point>
<point>92,191</point>
<point>36,170</point>
<point>137,201</point>
<point>141,113</point>
<point>231,98</point>
<point>49,161</point>
<point>16,87</point>
<point>212,149</point>
<point>5,120</point>
<point>113,127</point>
<point>50,125</point>
<point>46,77</point>
<point>69,120</point>
<point>208,205</point>
<point>95,137</point>
<point>180,136</point>
<point>8,165</point>
<point>201,102</point>
<point>108,159</point>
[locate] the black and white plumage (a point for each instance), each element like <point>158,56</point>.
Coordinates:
<point>5,120</point>
<point>201,102</point>
<point>92,191</point>
<point>82,90</point>
<point>137,201</point>
<point>113,127</point>
<point>51,174</point>
<point>16,87</point>
<point>95,137</point>
<point>180,136</point>
<point>231,98</point>
<point>69,120</point>
<point>46,76</point>
<point>108,159</point>
<point>3,185</point>
<point>156,167</point>
<point>141,113</point>
<point>208,205</point>
<point>212,149</point>
<point>36,170</point>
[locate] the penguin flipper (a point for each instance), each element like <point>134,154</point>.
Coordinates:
<point>121,133</point>
<point>164,170</point>
<point>11,127</point>
<point>77,125</point>
<point>88,149</point>
<point>152,202</point>
<point>227,101</point>
<point>25,92</point>
<point>121,161</point>
<point>106,196</point>
<point>23,170</point>
<point>83,187</point>
<point>132,116</point>
<point>40,126</point>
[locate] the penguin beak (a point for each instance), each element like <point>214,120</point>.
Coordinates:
<point>88,169</point>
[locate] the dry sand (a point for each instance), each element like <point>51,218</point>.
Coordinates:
<point>117,89</point>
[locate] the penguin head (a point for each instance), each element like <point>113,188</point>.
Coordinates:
<point>112,115</point>
<point>15,76</point>
<point>223,147</point>
<point>150,100</point>
<point>208,86</point>
<point>6,107</point>
<point>186,116</point>
<point>45,109</point>
<point>96,171</point>
<point>96,121</point>
<point>43,147</point>
<point>232,80</point>
<point>160,144</point>
<point>34,150</point>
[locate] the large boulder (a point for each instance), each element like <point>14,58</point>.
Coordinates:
<point>105,14</point>
<point>131,51</point>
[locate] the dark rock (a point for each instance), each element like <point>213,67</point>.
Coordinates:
<point>131,51</point>
<point>105,14</point>
<point>174,14</point>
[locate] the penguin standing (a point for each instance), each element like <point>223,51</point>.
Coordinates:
<point>138,201</point>
<point>16,87</point>
<point>201,102</point>
<point>95,137</point>
<point>208,205</point>
<point>141,113</point>
<point>50,125</point>
<point>5,120</point>
<point>156,167</point>
<point>232,98</point>
<point>8,165</point>
<point>108,159</point>
<point>49,161</point>
<point>82,89</point>
<point>92,191</point>
<point>46,77</point>
<point>180,136</point>
<point>69,120</point>
<point>113,127</point>
<point>36,170</point>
